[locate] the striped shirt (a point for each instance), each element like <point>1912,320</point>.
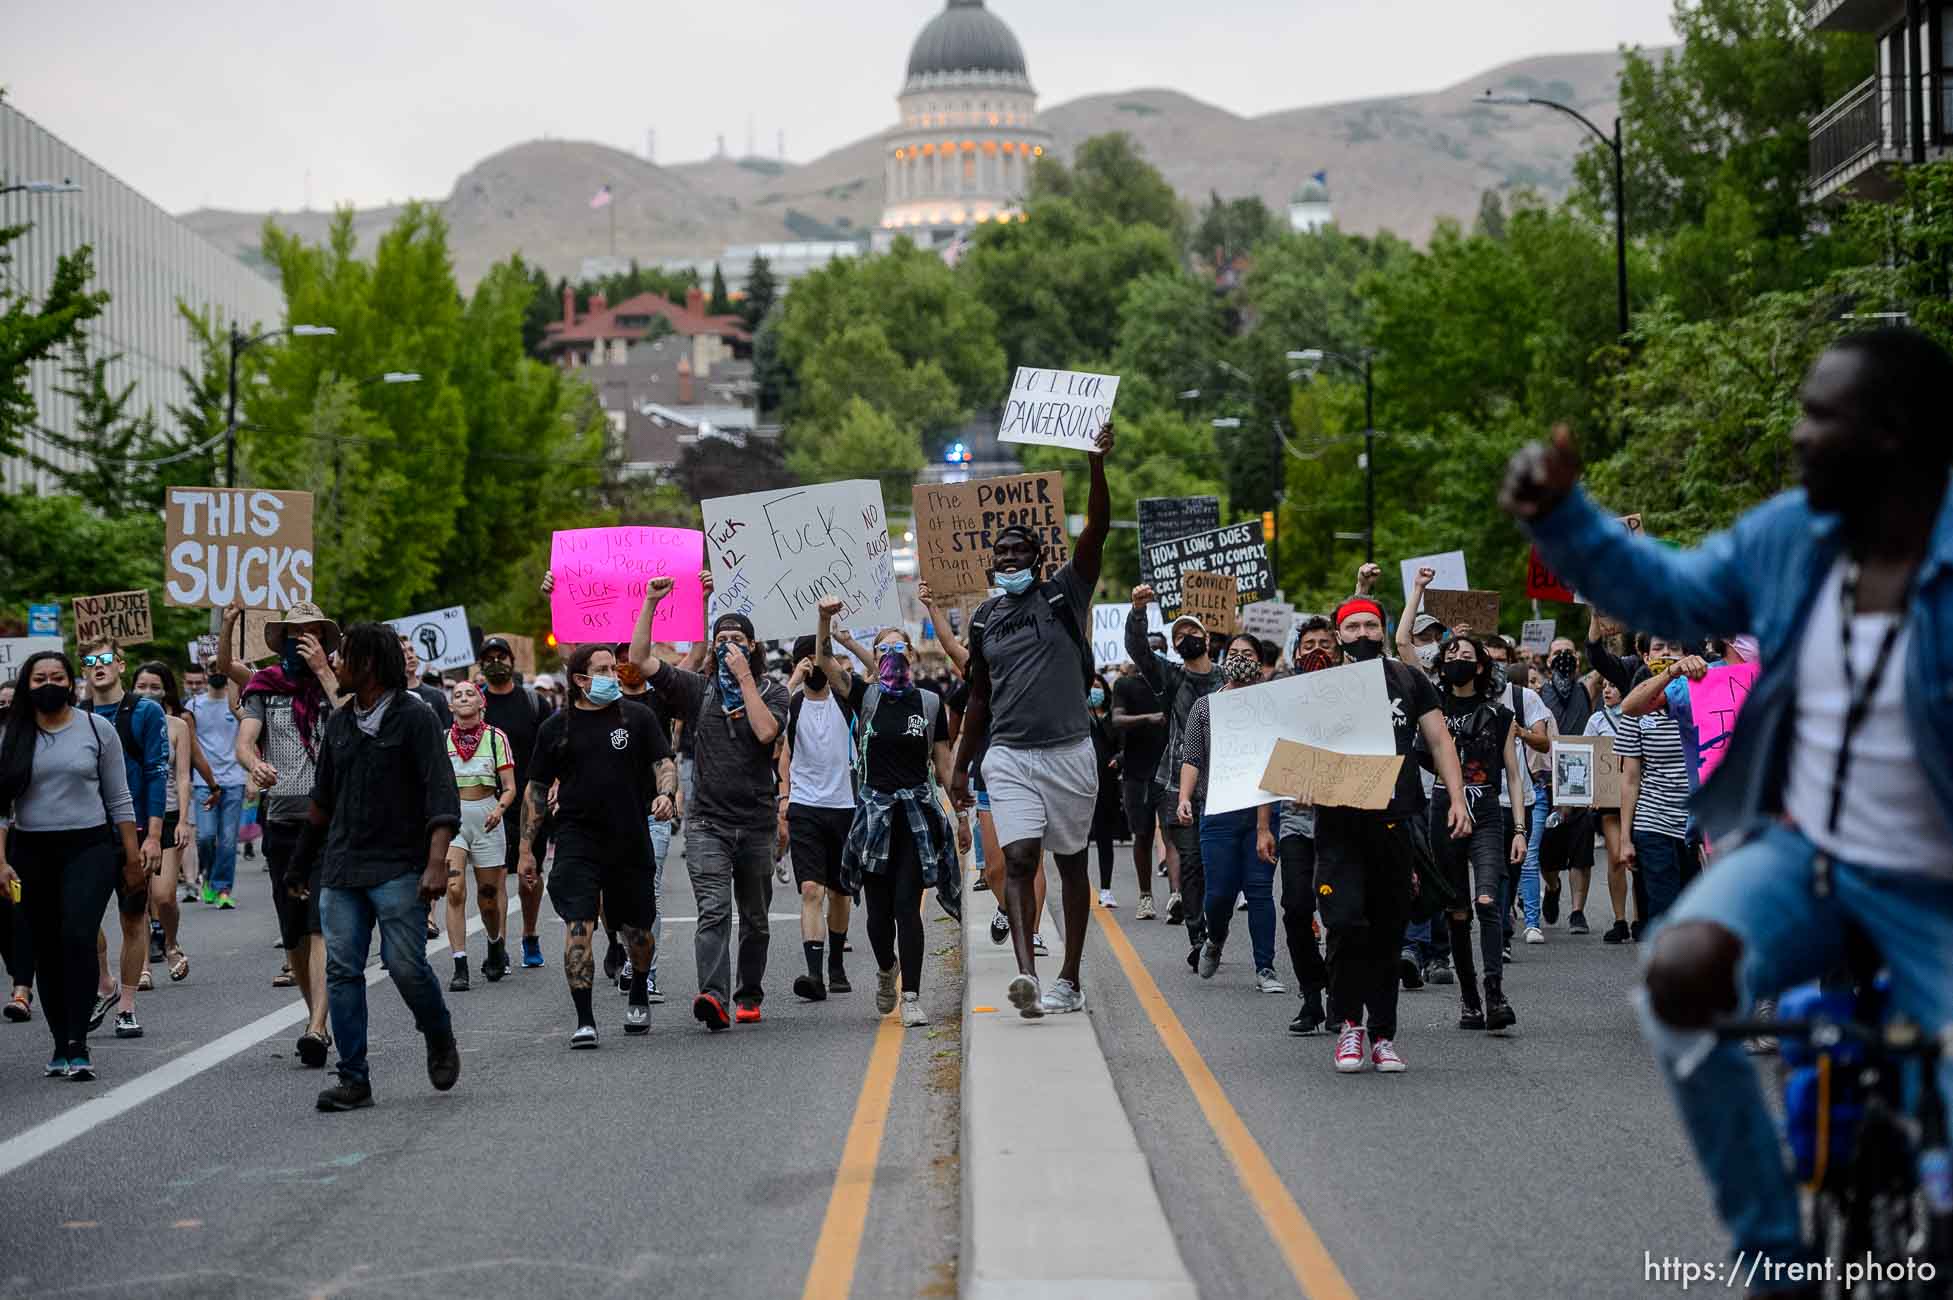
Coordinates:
<point>1663,808</point>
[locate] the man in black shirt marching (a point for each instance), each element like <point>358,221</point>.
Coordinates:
<point>605,754</point>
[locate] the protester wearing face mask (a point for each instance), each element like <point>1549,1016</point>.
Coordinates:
<point>155,681</point>
<point>617,958</point>
<point>1139,721</point>
<point>216,719</point>
<point>518,712</point>
<point>1657,749</point>
<point>1419,633</point>
<point>1368,863</point>
<point>484,776</point>
<point>817,807</point>
<point>1606,721</point>
<point>1535,743</point>
<point>1177,686</point>
<point>1315,650</point>
<point>735,718</point>
<point>1236,860</point>
<point>1568,845</point>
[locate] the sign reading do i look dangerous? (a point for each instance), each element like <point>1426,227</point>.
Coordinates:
<point>1058,408</point>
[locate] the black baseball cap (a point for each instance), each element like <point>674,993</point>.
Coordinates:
<point>496,643</point>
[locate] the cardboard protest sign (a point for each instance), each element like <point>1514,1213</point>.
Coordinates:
<point>603,574</point>
<point>776,555</point>
<point>1237,550</point>
<point>1057,408</point>
<point>120,616</point>
<point>440,638</point>
<point>1536,635</point>
<point>956,524</point>
<point>524,650</point>
<point>1268,620</point>
<point>1605,769</point>
<point>1478,610</point>
<point>1450,566</point>
<point>1109,633</point>
<point>246,543</point>
<point>1161,519</point>
<point>1716,701</point>
<point>1346,710</point>
<point>1209,597</point>
<point>15,650</point>
<point>1331,780</point>
<point>203,650</point>
<point>256,648</point>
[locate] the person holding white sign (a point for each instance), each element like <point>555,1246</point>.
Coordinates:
<point>1030,666</point>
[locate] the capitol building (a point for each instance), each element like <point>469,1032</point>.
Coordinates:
<point>968,138</point>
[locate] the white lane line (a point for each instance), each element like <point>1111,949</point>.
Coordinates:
<point>693,920</point>
<point>71,1124</point>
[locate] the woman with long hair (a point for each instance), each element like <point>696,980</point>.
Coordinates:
<point>156,682</point>
<point>72,834</point>
<point>1108,815</point>
<point>484,773</point>
<point>1606,721</point>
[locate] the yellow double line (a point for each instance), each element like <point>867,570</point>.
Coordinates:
<point>831,1276</point>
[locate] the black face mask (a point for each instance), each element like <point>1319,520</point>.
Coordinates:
<point>50,698</point>
<point>1563,664</point>
<point>1191,647</point>
<point>817,679</point>
<point>497,670</point>
<point>1460,672</point>
<point>1363,648</point>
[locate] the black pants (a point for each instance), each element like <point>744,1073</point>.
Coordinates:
<point>1476,869</point>
<point>66,881</point>
<point>1193,878</point>
<point>16,943</point>
<point>1298,861</point>
<point>895,906</point>
<point>1367,861</point>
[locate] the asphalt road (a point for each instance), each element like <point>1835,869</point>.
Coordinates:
<point>676,1163</point>
<point>1541,1164</point>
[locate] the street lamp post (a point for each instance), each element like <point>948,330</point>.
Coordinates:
<point>42,187</point>
<point>1362,363</point>
<point>1613,142</point>
<point>240,344</point>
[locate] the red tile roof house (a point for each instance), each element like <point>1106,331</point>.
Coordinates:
<point>604,335</point>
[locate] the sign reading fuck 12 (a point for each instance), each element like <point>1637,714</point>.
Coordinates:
<point>250,544</point>
<point>775,556</point>
<point>603,575</point>
<point>1058,408</point>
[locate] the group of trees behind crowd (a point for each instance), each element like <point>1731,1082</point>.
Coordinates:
<point>437,492</point>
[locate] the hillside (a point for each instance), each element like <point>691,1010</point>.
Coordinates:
<point>1396,163</point>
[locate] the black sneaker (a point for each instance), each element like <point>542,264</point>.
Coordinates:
<point>346,1096</point>
<point>999,928</point>
<point>126,1026</point>
<point>1549,907</point>
<point>1508,951</point>
<point>809,989</point>
<point>1616,933</point>
<point>496,964</point>
<point>1470,1017</point>
<point>443,1062</point>
<point>1499,1015</point>
<point>156,955</point>
<point>459,984</point>
<point>1634,931</point>
<point>312,1049</point>
<point>1309,1020</point>
<point>837,981</point>
<point>1576,922</point>
<point>1409,973</point>
<point>613,960</point>
<point>104,1003</point>
<point>1438,971</point>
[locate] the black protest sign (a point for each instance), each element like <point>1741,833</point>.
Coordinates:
<point>1163,519</point>
<point>1238,550</point>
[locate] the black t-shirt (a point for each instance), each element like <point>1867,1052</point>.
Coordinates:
<point>1479,729</point>
<point>899,742</point>
<point>1143,745</point>
<point>1411,697</point>
<point>519,720</point>
<point>437,700</point>
<point>607,765</point>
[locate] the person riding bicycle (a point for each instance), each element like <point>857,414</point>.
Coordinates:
<point>1833,807</point>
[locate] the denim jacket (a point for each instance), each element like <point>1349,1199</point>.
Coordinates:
<point>1760,576</point>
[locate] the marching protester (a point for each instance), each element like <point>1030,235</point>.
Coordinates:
<point>817,806</point>
<point>69,844</point>
<point>1235,858</point>
<point>1106,814</point>
<point>373,852</point>
<point>1315,650</point>
<point>617,961</point>
<point>144,732</point>
<point>1030,660</point>
<point>517,711</point>
<point>484,776</point>
<point>432,696</point>
<point>1568,844</point>
<point>1177,686</point>
<point>155,681</point>
<point>220,802</point>
<point>1607,722</point>
<point>1140,722</point>
<point>612,767</point>
<point>734,717</point>
<point>284,712</point>
<point>1655,783</point>
<point>1534,743</point>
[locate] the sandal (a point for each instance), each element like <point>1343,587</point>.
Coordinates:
<point>179,964</point>
<point>19,1008</point>
<point>143,983</point>
<point>283,979</point>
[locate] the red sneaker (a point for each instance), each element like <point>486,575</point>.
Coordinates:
<point>1383,1055</point>
<point>708,1011</point>
<point>1349,1049</point>
<point>747,1015</point>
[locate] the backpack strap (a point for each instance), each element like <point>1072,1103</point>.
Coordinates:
<point>125,711</point>
<point>793,717</point>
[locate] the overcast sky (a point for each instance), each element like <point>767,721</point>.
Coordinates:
<point>233,103</point>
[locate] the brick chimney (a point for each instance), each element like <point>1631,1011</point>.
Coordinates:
<point>598,303</point>
<point>569,305</point>
<point>695,300</point>
<point>685,379</point>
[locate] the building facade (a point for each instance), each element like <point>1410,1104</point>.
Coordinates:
<point>969,135</point>
<point>609,335</point>
<point>1902,114</point>
<point>1309,209</point>
<point>145,260</point>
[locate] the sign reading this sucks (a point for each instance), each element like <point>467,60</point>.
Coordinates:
<point>957,524</point>
<point>1058,408</point>
<point>237,543</point>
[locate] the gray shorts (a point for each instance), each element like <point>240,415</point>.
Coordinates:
<point>1044,794</point>
<point>485,848</point>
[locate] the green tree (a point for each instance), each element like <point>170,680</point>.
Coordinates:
<point>54,548</point>
<point>1234,228</point>
<point>545,305</point>
<point>37,328</point>
<point>861,442</point>
<point>104,459</point>
<point>194,440</point>
<point>762,291</point>
<point>719,304</point>
<point>859,364</point>
<point>1110,180</point>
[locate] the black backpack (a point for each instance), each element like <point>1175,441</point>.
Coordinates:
<point>1060,609</point>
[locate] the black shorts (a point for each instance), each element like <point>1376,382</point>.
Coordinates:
<point>1146,804</point>
<point>579,887</point>
<point>815,838</point>
<point>296,917</point>
<point>170,822</point>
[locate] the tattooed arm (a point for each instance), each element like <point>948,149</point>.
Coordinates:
<point>534,809</point>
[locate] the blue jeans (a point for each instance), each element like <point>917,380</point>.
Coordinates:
<point>348,917</point>
<point>660,846</point>
<point>217,837</point>
<point>1227,848</point>
<point>1659,860</point>
<point>1762,891</point>
<point>1535,836</point>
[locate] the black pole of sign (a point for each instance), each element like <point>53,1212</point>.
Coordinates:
<point>1620,231</point>
<point>230,411</point>
<point>1369,463</point>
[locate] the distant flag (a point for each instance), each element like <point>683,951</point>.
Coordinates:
<point>601,199</point>
<point>1320,178</point>
<point>953,254</point>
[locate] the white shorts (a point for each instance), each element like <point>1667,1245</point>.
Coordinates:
<point>485,848</point>
<point>1046,794</point>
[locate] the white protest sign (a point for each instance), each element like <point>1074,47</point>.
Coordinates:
<point>203,650</point>
<point>248,543</point>
<point>776,555</point>
<point>1536,635</point>
<point>1450,567</point>
<point>1109,632</point>
<point>440,638</point>
<point>1269,620</point>
<point>1345,710</point>
<point>1057,408</point>
<point>14,651</point>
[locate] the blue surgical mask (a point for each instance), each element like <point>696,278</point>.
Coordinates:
<point>1096,699</point>
<point>1016,582</point>
<point>604,690</point>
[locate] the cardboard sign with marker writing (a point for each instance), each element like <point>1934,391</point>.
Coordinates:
<point>256,648</point>
<point>1477,609</point>
<point>1606,770</point>
<point>1058,408</point>
<point>1331,780</point>
<point>1536,635</point>
<point>237,543</point>
<point>120,616</point>
<point>956,524</point>
<point>775,556</point>
<point>1209,597</point>
<point>1238,549</point>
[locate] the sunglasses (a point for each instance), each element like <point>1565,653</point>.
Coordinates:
<point>893,648</point>
<point>97,661</point>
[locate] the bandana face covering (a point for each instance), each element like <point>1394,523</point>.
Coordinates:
<point>1238,669</point>
<point>629,675</point>
<point>893,670</point>
<point>731,698</point>
<point>1315,661</point>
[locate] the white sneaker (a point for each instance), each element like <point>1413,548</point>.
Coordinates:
<point>1146,911</point>
<point>1535,935</point>
<point>912,1013</point>
<point>1062,996</point>
<point>1240,902</point>
<point>1350,1056</point>
<point>1037,946</point>
<point>1266,981</point>
<point>1025,995</point>
<point>1107,899</point>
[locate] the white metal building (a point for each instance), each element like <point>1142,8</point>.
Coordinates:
<point>144,258</point>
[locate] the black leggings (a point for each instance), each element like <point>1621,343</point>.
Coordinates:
<point>895,906</point>
<point>1104,839</point>
<point>16,944</point>
<point>66,881</point>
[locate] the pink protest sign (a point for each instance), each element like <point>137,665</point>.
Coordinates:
<point>1715,701</point>
<point>602,574</point>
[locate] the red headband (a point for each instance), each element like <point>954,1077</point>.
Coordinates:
<point>1357,605</point>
